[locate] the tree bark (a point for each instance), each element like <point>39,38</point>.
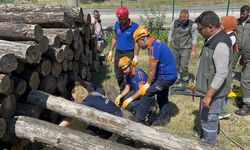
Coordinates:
<point>44,19</point>
<point>56,68</point>
<point>23,109</point>
<point>75,14</point>
<point>44,67</point>
<point>65,65</point>
<point>20,32</point>
<point>68,52</point>
<point>62,138</point>
<point>48,84</point>
<point>7,106</point>
<point>8,62</point>
<point>4,83</point>
<point>24,52</point>
<point>56,54</point>
<point>66,35</point>
<point>20,86</point>
<point>82,71</point>
<point>87,19</point>
<point>2,127</point>
<point>121,126</point>
<point>43,44</point>
<point>54,40</point>
<point>32,78</point>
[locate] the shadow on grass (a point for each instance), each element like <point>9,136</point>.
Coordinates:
<point>197,125</point>
<point>99,77</point>
<point>174,110</point>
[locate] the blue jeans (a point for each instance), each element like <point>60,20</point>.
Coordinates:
<point>160,88</point>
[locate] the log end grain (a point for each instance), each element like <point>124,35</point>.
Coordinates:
<point>33,54</point>
<point>34,80</point>
<point>8,63</point>
<point>4,83</point>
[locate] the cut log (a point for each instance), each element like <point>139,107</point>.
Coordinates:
<point>70,65</point>
<point>24,52</point>
<point>11,88</point>
<point>44,67</point>
<point>87,19</point>
<point>20,66</point>
<point>8,62</point>
<point>75,66</point>
<point>20,85</point>
<point>62,82</point>
<point>44,19</point>
<point>75,14</point>
<point>56,54</point>
<point>82,71</point>
<point>2,127</point>
<point>90,57</point>
<point>7,106</point>
<point>65,65</point>
<point>72,76</point>
<point>76,35</point>
<point>88,76</point>
<point>87,35</point>
<point>62,138</point>
<point>83,59</point>
<point>29,110</point>
<point>86,49</point>
<point>66,35</point>
<point>121,126</point>
<point>48,84</point>
<point>54,40</point>
<point>78,51</point>
<point>56,68</point>
<point>96,66</point>
<point>68,52</point>
<point>43,44</point>
<point>20,32</point>
<point>32,78</point>
<point>4,83</point>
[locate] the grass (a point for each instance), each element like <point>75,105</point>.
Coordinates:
<point>131,3</point>
<point>184,110</point>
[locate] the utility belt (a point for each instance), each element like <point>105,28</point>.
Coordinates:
<point>124,51</point>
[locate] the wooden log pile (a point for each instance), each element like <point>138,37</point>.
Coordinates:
<point>41,48</point>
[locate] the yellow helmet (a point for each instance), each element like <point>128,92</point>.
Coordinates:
<point>124,62</point>
<point>141,31</point>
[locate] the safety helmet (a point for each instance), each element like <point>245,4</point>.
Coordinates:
<point>141,31</point>
<point>124,62</point>
<point>122,13</point>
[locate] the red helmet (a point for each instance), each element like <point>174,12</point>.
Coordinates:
<point>122,13</point>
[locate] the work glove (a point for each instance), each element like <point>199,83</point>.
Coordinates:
<point>135,60</point>
<point>144,88</point>
<point>126,102</point>
<point>118,100</point>
<point>110,57</point>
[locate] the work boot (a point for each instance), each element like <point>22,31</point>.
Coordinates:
<point>244,111</point>
<point>164,117</point>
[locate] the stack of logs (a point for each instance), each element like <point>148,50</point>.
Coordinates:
<point>45,48</point>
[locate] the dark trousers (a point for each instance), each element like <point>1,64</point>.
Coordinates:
<point>209,119</point>
<point>133,106</point>
<point>118,72</point>
<point>161,88</point>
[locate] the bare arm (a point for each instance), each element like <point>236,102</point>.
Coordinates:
<point>137,48</point>
<point>113,42</point>
<point>151,72</point>
<point>126,90</point>
<point>65,122</point>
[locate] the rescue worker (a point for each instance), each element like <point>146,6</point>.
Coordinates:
<point>229,25</point>
<point>161,75</point>
<point>213,78</point>
<point>124,43</point>
<point>243,31</point>
<point>183,33</point>
<point>129,98</point>
<point>93,99</point>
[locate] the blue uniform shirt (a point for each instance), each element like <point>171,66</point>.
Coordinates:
<point>158,51</point>
<point>124,37</point>
<point>102,103</point>
<point>136,78</point>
